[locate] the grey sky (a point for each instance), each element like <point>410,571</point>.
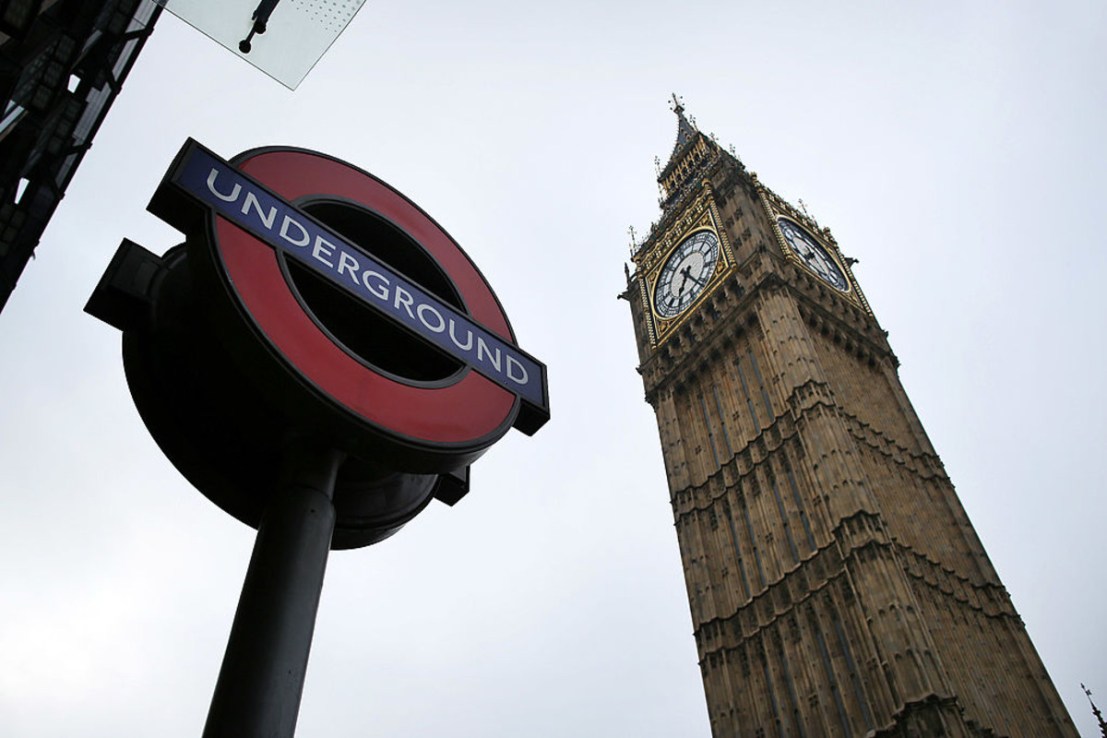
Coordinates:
<point>954,148</point>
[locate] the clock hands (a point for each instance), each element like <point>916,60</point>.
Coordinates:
<point>694,261</point>
<point>686,272</point>
<point>824,269</point>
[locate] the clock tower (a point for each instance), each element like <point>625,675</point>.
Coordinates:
<point>836,585</point>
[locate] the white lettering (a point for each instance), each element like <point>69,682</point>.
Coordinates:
<point>424,308</point>
<point>252,198</point>
<point>320,250</point>
<point>482,348</point>
<point>403,297</point>
<point>513,363</point>
<point>453,337</point>
<point>347,263</point>
<point>225,198</point>
<point>377,290</point>
<point>302,240</point>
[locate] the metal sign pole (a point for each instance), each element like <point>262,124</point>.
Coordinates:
<point>262,677</point>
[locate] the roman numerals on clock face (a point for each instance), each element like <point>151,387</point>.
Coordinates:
<point>686,274</point>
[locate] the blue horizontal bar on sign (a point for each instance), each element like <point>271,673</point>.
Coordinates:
<point>251,206</point>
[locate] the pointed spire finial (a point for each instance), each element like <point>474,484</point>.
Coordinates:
<point>1095,711</point>
<point>678,105</point>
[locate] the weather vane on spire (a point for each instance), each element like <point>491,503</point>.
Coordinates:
<point>678,105</point>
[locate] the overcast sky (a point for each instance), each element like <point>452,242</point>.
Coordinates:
<point>955,149</point>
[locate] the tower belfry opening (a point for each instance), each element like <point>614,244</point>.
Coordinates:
<point>835,583</point>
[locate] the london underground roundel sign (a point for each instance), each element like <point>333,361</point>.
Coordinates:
<point>331,277</point>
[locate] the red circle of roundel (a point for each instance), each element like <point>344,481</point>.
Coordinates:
<point>459,413</point>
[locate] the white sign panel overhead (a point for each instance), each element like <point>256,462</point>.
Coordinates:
<point>283,38</point>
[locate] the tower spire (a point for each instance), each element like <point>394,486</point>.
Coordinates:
<point>1096,712</point>
<point>678,105</point>
<point>686,131</point>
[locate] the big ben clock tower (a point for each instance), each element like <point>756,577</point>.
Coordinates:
<point>836,585</point>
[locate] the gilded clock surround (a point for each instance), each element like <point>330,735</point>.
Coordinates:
<point>702,215</point>
<point>831,264</point>
<point>777,208</point>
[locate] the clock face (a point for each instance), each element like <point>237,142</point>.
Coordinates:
<point>813,255</point>
<point>686,274</point>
